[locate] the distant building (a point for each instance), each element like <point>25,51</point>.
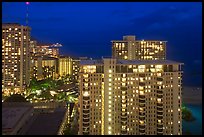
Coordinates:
<point>75,69</point>
<point>51,50</point>
<point>130,97</point>
<point>130,49</point>
<point>76,66</point>
<point>15,57</point>
<point>65,66</point>
<point>44,67</point>
<point>15,118</point>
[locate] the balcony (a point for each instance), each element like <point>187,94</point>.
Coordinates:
<point>141,84</point>
<point>85,124</point>
<point>141,118</point>
<point>141,126</point>
<point>159,113</point>
<point>159,79</point>
<point>123,88</point>
<point>159,126</point>
<point>86,116</point>
<point>141,75</point>
<point>159,117</point>
<point>124,122</point>
<point>160,130</point>
<point>159,96</point>
<point>85,97</point>
<point>142,130</point>
<point>85,111</point>
<point>141,96</point>
<point>159,109</point>
<point>159,104</point>
<point>85,129</point>
<point>141,113</point>
<point>85,80</point>
<point>123,118</point>
<point>85,120</point>
<point>86,107</point>
<point>124,101</point>
<point>159,92</point>
<point>141,105</point>
<point>141,101</point>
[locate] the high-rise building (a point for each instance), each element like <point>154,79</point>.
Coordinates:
<point>130,97</point>
<point>129,48</point>
<point>76,68</point>
<point>65,66</point>
<point>44,67</point>
<point>33,44</point>
<point>15,57</point>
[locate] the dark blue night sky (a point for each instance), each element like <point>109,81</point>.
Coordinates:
<point>86,28</point>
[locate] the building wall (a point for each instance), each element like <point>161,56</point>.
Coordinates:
<point>65,66</point>
<point>133,99</point>
<point>15,57</point>
<point>76,69</point>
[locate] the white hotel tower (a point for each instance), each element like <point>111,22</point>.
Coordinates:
<point>130,97</point>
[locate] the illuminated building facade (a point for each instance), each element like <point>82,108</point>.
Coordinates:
<point>44,67</point>
<point>33,45</point>
<point>51,50</point>
<point>15,57</point>
<point>75,66</point>
<point>131,49</point>
<point>130,97</point>
<point>65,66</point>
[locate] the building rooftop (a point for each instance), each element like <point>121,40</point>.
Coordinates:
<point>138,62</point>
<point>130,62</point>
<point>12,115</point>
<point>138,40</point>
<point>11,24</point>
<point>47,123</point>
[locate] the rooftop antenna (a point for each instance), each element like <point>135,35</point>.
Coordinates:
<point>27,3</point>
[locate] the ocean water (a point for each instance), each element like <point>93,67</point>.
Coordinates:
<point>195,127</point>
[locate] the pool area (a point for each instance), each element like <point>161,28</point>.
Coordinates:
<point>194,127</point>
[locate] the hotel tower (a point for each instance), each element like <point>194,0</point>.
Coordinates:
<point>15,57</point>
<point>129,48</point>
<point>131,96</point>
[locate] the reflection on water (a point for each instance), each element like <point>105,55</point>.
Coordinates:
<point>194,127</point>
